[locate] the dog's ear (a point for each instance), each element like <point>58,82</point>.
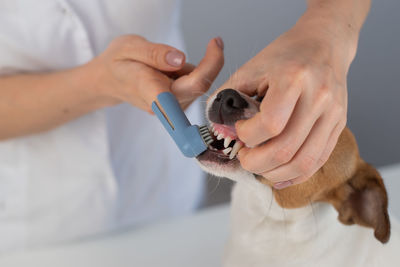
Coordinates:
<point>363,200</point>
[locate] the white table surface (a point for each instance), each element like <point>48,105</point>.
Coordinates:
<point>195,240</point>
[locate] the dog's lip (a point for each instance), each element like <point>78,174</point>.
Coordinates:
<point>216,158</point>
<point>217,154</point>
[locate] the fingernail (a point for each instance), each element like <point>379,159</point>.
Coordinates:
<point>174,58</point>
<point>281,185</point>
<point>219,42</point>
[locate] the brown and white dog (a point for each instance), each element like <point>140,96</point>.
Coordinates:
<point>297,226</point>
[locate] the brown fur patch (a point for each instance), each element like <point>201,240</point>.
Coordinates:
<point>352,186</point>
<point>338,169</point>
<point>363,200</point>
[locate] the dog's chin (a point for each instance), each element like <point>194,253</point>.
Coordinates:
<point>216,164</point>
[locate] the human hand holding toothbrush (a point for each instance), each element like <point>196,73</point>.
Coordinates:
<point>135,70</point>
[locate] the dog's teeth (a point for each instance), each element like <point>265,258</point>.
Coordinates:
<point>227,141</point>
<point>236,147</point>
<point>220,136</point>
<point>212,148</point>
<point>227,150</point>
<point>215,133</point>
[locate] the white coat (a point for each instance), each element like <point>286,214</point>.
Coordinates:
<point>107,169</point>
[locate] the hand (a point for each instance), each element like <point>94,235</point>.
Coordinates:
<point>135,70</point>
<point>302,75</point>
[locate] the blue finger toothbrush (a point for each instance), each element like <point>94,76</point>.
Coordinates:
<point>192,140</point>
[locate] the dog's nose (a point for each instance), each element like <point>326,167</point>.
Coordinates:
<point>228,107</point>
<point>230,101</point>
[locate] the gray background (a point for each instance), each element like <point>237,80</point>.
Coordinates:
<point>248,26</point>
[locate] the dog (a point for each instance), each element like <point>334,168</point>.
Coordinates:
<point>338,217</point>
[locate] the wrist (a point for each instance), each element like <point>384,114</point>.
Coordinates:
<point>331,28</point>
<point>90,77</point>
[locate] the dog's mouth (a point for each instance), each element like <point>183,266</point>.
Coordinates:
<point>224,148</point>
<point>226,142</point>
<point>223,110</point>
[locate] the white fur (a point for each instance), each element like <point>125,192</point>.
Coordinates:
<point>264,234</point>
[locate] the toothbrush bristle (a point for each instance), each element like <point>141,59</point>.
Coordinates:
<point>205,134</point>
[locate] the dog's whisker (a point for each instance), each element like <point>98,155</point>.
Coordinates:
<point>315,217</point>
<point>216,186</point>
<point>209,81</point>
<point>270,202</point>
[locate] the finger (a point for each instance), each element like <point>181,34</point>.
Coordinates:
<point>159,56</point>
<point>275,111</point>
<point>324,157</point>
<point>333,139</point>
<point>247,79</point>
<point>150,84</point>
<point>185,70</point>
<point>196,83</point>
<point>306,160</point>
<point>281,149</point>
<point>205,73</point>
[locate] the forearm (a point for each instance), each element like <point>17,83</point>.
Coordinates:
<point>31,103</point>
<point>341,20</point>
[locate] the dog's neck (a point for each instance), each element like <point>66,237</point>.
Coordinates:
<point>263,233</point>
<point>254,206</point>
